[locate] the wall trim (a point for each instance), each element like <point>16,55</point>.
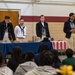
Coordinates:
<point>48,18</point>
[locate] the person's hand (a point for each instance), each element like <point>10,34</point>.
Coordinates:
<point>16,41</point>
<point>49,39</point>
<point>38,38</point>
<point>72,30</point>
<point>0,41</point>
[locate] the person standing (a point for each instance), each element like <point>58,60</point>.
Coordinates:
<point>42,29</point>
<point>20,31</point>
<point>6,30</point>
<point>69,29</point>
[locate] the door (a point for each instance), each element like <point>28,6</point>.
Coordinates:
<point>14,16</point>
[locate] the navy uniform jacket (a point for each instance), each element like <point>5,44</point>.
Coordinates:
<point>67,28</point>
<point>10,30</point>
<point>39,29</point>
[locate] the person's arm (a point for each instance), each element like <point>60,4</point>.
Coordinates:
<point>0,33</point>
<point>72,30</point>
<point>66,29</point>
<point>25,31</point>
<point>16,31</point>
<point>48,31</point>
<point>37,30</point>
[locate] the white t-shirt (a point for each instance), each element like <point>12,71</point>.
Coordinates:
<point>42,24</point>
<point>6,33</point>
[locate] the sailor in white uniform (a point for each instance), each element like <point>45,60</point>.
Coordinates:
<point>20,31</point>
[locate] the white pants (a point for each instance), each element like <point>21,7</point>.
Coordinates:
<point>71,42</point>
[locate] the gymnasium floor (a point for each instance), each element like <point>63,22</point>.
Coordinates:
<point>63,57</point>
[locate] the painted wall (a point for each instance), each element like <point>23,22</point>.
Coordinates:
<point>37,9</point>
<point>53,10</point>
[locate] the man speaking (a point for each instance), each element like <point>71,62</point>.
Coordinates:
<point>42,30</point>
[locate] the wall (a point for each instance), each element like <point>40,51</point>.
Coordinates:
<point>56,15</point>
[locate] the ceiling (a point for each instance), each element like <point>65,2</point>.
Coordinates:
<point>40,1</point>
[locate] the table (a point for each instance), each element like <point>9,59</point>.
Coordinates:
<point>26,47</point>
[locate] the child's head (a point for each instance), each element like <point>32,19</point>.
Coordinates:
<point>69,52</point>
<point>29,56</point>
<point>16,53</point>
<point>43,47</point>
<point>46,58</point>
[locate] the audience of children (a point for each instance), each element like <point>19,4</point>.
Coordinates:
<point>45,65</point>
<point>26,63</point>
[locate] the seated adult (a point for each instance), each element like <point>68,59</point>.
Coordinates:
<point>28,65</point>
<point>70,60</point>
<point>46,63</point>
<point>4,70</point>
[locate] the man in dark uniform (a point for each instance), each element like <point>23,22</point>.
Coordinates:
<point>69,30</point>
<point>42,30</point>
<point>6,30</point>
